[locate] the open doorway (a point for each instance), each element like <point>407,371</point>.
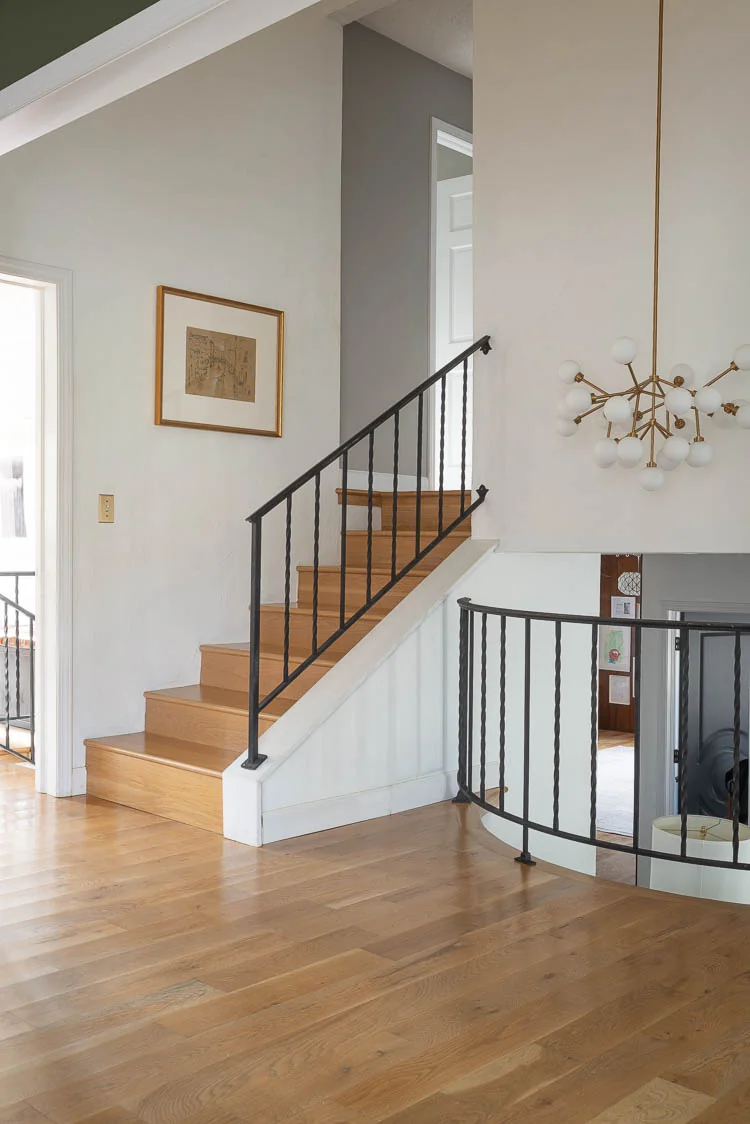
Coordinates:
<point>20,358</point>
<point>36,533</point>
<point>452,299</point>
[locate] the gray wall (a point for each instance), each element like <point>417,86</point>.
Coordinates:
<point>390,95</point>
<point>689,582</point>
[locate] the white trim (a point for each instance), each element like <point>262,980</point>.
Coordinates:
<point>442,134</point>
<point>162,39</point>
<point>322,815</point>
<point>54,434</point>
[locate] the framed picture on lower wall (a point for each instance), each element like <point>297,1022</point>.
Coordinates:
<point>219,363</point>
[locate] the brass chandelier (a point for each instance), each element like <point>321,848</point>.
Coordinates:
<point>656,417</point>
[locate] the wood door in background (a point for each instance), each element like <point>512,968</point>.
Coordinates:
<point>615,716</point>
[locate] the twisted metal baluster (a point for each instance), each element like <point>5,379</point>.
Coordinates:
<point>556,760</point>
<point>463,433</point>
<point>736,749</point>
<point>483,713</point>
<point>503,631</point>
<point>316,564</point>
<point>682,789</point>
<point>594,723</point>
<point>287,583</point>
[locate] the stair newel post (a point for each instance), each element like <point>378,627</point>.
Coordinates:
<point>254,758</point>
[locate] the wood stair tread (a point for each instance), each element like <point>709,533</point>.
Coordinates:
<point>217,698</point>
<point>193,756</point>
<point>375,612</point>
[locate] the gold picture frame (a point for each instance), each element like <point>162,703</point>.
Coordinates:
<point>223,372</point>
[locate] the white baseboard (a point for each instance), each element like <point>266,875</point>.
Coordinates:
<point>79,781</point>
<point>322,815</point>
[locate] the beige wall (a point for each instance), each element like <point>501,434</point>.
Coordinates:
<point>564,128</point>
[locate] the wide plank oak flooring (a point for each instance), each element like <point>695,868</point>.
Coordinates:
<point>402,970</point>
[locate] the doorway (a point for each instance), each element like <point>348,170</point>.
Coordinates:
<point>36,497</point>
<point>20,319</point>
<point>452,298</point>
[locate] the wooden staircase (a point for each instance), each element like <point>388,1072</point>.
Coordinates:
<point>174,767</point>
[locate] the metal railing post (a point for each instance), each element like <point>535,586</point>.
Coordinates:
<point>463,633</point>
<point>254,758</point>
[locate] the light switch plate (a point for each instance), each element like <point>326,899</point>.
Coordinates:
<point>106,509</point>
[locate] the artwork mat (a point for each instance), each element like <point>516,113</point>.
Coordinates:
<point>619,690</point>
<point>178,309</point>
<point>623,663</point>
<point>624,608</point>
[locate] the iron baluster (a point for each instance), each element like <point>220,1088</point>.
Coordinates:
<point>18,651</point>
<point>556,748</point>
<point>525,856</point>
<point>418,505</point>
<point>441,472</point>
<point>370,477</point>
<point>7,674</point>
<point>316,565</point>
<point>287,583</point>
<point>344,505</point>
<point>483,713</point>
<point>637,646</point>
<point>503,631</point>
<point>394,529</point>
<point>594,723</point>
<point>254,758</point>
<point>470,708</point>
<point>32,692</point>
<point>463,433</point>
<point>736,738</point>
<point>682,789</point>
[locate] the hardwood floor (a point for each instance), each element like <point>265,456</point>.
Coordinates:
<point>401,970</point>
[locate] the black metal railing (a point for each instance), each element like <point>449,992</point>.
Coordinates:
<point>400,436</point>
<point>17,719</point>
<point>545,668</point>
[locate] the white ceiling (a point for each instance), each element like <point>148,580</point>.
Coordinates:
<point>442,30</point>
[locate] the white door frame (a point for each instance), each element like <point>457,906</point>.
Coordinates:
<point>54,503</point>
<point>448,136</point>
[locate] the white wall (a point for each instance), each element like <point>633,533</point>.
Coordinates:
<point>564,126</point>
<point>223,178</point>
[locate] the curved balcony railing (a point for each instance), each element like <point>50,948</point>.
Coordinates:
<point>529,740</point>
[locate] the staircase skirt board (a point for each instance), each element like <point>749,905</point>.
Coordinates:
<point>192,734</point>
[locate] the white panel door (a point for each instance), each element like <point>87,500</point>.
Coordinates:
<point>454,322</point>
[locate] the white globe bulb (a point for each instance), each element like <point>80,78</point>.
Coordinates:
<point>618,410</point>
<point>743,417</point>
<point>566,427</point>
<point>708,400</point>
<point>665,464</point>
<point>651,478</point>
<point>679,402</point>
<point>684,372</point>
<point>630,451</point>
<point>742,357</point>
<point>565,411</point>
<point>568,370</point>
<point>701,454</point>
<point>605,452</point>
<point>675,449</point>
<point>624,350</point>
<point>578,400</point>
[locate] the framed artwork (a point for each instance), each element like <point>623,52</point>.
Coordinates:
<point>619,690</point>
<point>614,648</point>
<point>219,363</point>
<point>624,607</point>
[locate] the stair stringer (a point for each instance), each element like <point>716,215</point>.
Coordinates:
<point>370,738</point>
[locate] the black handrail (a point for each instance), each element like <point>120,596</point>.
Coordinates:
<point>286,497</point>
<point>13,694</point>
<point>473,786</point>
